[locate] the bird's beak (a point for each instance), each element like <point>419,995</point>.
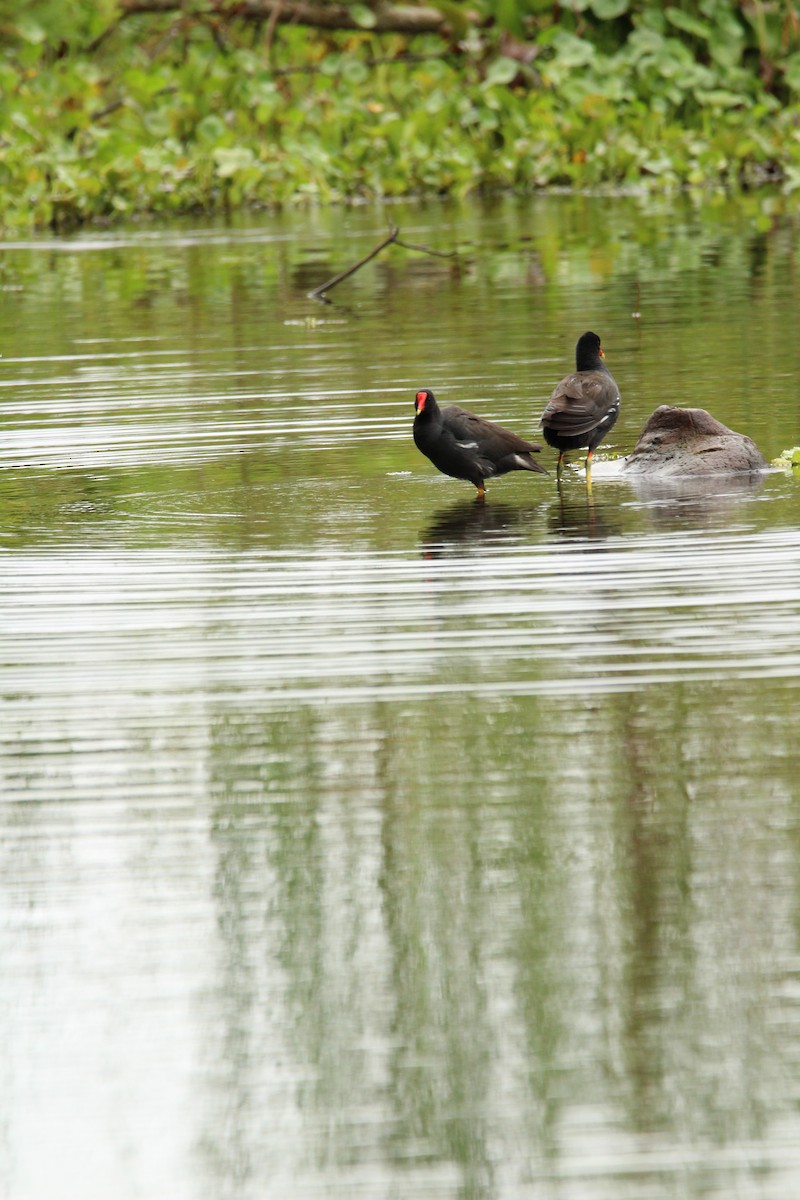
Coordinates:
<point>419,403</point>
<point>601,352</point>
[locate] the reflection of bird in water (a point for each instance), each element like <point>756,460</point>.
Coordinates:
<point>695,497</point>
<point>467,447</point>
<point>468,523</point>
<point>584,406</point>
<point>579,516</point>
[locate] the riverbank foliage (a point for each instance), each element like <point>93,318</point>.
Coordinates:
<point>105,114</point>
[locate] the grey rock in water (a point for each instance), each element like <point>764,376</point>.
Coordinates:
<point>689,441</point>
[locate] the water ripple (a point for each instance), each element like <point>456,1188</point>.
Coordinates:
<point>356,627</point>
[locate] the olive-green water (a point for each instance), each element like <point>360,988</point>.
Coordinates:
<point>359,840</point>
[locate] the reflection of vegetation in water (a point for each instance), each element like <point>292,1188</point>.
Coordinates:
<point>478,919</point>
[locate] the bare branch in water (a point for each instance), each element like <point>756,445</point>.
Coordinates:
<point>392,237</point>
<point>319,292</point>
<point>426,249</point>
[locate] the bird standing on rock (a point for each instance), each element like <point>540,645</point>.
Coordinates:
<point>583,406</point>
<point>467,447</point>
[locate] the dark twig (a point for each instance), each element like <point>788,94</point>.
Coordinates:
<point>387,18</point>
<point>101,113</point>
<point>425,249</point>
<point>391,238</point>
<point>269,36</point>
<point>213,28</point>
<point>101,37</point>
<point>122,102</point>
<point>319,292</point>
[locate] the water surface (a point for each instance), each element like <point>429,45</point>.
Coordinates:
<point>358,839</point>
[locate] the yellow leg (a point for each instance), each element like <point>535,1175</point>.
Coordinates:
<point>589,469</point>
<point>481,492</point>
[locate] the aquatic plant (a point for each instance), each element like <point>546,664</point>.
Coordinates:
<point>108,110</point>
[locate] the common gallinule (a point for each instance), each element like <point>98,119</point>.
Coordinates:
<point>467,447</point>
<point>584,405</point>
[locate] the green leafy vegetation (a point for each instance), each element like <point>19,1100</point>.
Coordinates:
<point>788,460</point>
<point>105,114</point>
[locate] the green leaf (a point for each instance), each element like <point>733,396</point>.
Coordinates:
<point>788,459</point>
<point>354,71</point>
<point>231,160</point>
<point>211,128</point>
<point>29,30</point>
<point>607,10</point>
<point>363,16</point>
<point>143,84</point>
<point>509,16</point>
<point>727,39</point>
<point>501,71</point>
<point>455,16</point>
<point>792,72</point>
<point>573,51</point>
<point>720,98</point>
<point>688,23</point>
